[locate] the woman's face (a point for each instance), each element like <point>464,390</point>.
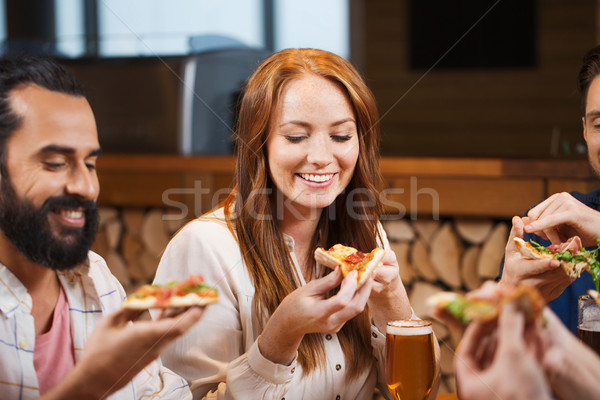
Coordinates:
<point>313,144</point>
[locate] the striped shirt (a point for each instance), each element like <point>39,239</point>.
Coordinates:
<point>92,291</point>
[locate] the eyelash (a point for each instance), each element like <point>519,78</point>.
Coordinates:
<point>336,138</point>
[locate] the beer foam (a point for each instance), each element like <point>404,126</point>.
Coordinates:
<point>409,328</point>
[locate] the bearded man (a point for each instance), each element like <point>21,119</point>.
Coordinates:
<point>62,332</point>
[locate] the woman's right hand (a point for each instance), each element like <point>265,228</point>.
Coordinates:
<point>307,310</point>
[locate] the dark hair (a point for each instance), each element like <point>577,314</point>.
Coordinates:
<point>23,71</point>
<point>590,68</point>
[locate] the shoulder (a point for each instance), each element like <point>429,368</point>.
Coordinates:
<point>209,230</point>
<point>591,199</point>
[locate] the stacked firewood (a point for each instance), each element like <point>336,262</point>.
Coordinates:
<point>440,255</point>
<point>132,241</point>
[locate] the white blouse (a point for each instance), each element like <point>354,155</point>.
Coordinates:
<point>220,355</point>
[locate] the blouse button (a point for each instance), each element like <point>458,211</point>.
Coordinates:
<point>328,336</point>
<point>338,367</point>
<point>338,397</point>
<point>374,335</point>
<point>293,369</point>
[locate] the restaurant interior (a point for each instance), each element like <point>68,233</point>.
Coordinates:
<point>480,115</point>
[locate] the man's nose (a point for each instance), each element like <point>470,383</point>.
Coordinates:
<point>83,183</point>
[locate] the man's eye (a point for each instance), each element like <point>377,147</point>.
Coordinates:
<point>51,165</point>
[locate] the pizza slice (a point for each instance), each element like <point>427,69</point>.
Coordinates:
<point>350,259</point>
<point>573,257</point>
<point>465,310</point>
<point>191,292</point>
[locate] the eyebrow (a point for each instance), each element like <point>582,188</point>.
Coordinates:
<point>54,148</point>
<point>306,124</point>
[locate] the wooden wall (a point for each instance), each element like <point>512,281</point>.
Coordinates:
<point>527,112</point>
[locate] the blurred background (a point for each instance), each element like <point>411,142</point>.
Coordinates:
<point>476,78</point>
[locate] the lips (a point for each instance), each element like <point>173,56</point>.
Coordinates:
<point>316,178</point>
<point>70,217</point>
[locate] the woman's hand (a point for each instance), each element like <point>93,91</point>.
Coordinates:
<point>388,300</point>
<point>307,310</point>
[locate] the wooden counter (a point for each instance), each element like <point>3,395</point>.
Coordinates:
<point>454,187</point>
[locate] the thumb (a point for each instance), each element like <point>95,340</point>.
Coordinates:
<point>328,282</point>
<point>517,228</point>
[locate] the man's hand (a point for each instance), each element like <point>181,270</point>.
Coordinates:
<point>546,276</point>
<point>117,350</point>
<point>561,216</point>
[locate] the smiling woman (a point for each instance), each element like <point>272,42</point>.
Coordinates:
<point>307,174</point>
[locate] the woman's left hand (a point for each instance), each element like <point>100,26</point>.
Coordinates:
<point>388,300</point>
<point>386,277</point>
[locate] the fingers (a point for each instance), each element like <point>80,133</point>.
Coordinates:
<point>328,282</point>
<point>511,324</point>
<point>122,316</point>
<point>517,230</point>
<point>172,327</point>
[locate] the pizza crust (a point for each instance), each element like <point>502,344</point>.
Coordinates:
<point>189,300</point>
<point>573,270</point>
<point>323,257</point>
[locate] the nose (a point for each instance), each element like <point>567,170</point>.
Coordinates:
<point>83,183</point>
<point>320,152</point>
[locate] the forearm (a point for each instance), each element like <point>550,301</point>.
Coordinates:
<point>391,307</point>
<point>278,344</point>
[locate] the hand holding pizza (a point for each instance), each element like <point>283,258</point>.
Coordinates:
<point>509,369</point>
<point>546,275</point>
<point>561,217</point>
<point>119,349</point>
<point>308,310</point>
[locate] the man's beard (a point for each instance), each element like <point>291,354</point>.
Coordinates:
<point>28,228</point>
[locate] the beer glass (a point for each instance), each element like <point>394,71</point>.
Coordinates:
<point>410,359</point>
<point>588,326</point>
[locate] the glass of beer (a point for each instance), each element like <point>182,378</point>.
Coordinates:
<point>410,359</point>
<point>588,326</point>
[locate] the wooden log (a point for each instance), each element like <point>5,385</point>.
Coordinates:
<point>447,360</point>
<point>131,247</point>
<point>426,228</point>
<point>441,331</point>
<point>474,230</point>
<point>113,229</point>
<point>153,234</point>
<point>100,245</point>
<point>133,219</point>
<point>399,230</point>
<point>149,263</point>
<point>451,383</point>
<point>446,250</point>
<point>492,251</point>
<point>419,294</point>
<point>117,266</point>
<point>173,223</point>
<point>468,267</point>
<point>420,260</point>
<point>106,214</point>
<point>407,274</point>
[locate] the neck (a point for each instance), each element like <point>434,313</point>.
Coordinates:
<point>302,230</point>
<point>41,283</point>
<point>36,278</point>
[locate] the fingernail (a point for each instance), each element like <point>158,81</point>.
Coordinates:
<point>529,228</point>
